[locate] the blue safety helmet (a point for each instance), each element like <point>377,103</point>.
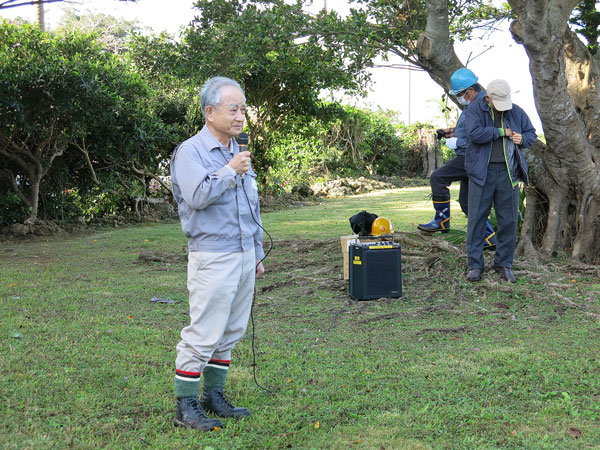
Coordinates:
<point>461,80</point>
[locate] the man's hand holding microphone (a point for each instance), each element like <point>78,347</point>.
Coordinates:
<point>241,161</point>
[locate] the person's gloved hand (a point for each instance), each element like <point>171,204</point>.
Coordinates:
<point>444,133</point>
<point>451,143</point>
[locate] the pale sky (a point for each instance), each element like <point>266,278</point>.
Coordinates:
<point>412,93</point>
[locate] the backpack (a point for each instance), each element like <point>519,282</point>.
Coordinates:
<point>362,222</point>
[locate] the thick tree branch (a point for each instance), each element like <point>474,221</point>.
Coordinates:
<point>13,184</point>
<point>58,148</point>
<point>146,173</point>
<point>435,50</point>
<point>83,149</point>
<point>4,144</point>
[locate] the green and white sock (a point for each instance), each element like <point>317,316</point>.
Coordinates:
<point>215,374</point>
<point>187,384</point>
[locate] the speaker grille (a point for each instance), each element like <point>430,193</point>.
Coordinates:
<point>375,273</point>
<point>382,272</point>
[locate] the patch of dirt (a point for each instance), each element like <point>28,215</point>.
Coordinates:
<point>162,257</point>
<point>443,330</point>
<point>433,283</point>
<point>282,201</point>
<point>273,286</point>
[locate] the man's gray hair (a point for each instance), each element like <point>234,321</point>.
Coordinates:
<point>211,91</point>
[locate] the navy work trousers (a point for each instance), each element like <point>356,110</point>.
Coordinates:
<point>498,190</point>
<point>442,178</point>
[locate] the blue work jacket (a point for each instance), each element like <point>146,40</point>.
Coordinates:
<point>481,132</point>
<point>460,133</point>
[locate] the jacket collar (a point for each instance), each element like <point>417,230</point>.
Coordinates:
<point>212,142</point>
<point>481,101</point>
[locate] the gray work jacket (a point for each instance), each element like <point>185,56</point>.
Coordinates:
<point>216,207</point>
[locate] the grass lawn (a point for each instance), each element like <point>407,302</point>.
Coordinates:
<point>87,359</point>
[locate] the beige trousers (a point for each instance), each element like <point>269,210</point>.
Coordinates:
<point>221,286</point>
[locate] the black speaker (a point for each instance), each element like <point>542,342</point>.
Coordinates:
<point>375,271</point>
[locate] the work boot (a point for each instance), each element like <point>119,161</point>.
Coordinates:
<point>489,243</point>
<point>506,274</point>
<point>441,221</point>
<point>214,401</point>
<point>474,274</point>
<point>189,414</point>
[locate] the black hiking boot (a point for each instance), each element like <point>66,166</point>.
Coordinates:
<point>189,414</point>
<point>214,401</point>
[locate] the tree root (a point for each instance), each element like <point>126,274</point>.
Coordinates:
<point>416,241</point>
<point>567,301</point>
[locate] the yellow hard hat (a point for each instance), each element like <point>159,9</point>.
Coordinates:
<point>380,226</point>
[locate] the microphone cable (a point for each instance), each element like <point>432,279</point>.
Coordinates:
<point>254,295</point>
<point>242,176</point>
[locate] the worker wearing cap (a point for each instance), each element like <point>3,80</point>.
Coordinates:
<point>495,129</point>
<point>466,89</point>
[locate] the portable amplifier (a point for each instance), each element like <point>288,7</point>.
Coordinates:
<point>375,270</point>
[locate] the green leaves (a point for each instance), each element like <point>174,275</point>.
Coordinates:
<point>71,114</point>
<point>274,50</point>
<point>586,18</point>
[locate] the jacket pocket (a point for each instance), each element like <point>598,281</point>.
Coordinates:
<point>251,188</point>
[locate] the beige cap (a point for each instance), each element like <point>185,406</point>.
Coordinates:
<point>499,92</point>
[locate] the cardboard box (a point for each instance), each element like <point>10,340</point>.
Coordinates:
<point>346,242</point>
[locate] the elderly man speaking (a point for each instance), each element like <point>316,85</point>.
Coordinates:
<point>217,198</point>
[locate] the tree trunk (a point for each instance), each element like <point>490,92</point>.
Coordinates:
<point>35,199</point>
<point>430,151</point>
<point>33,164</point>
<point>566,172</point>
<point>436,51</point>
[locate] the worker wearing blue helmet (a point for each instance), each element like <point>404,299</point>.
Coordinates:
<point>464,87</point>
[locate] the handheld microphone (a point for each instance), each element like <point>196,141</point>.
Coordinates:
<point>242,141</point>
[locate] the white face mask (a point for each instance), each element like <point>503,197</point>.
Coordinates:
<point>463,101</point>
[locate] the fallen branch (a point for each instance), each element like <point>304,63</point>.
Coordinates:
<point>415,260</point>
<point>407,241</point>
<point>528,274</point>
<point>446,246</point>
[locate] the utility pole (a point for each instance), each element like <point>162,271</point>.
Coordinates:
<point>330,90</point>
<point>41,21</point>
<point>409,92</point>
